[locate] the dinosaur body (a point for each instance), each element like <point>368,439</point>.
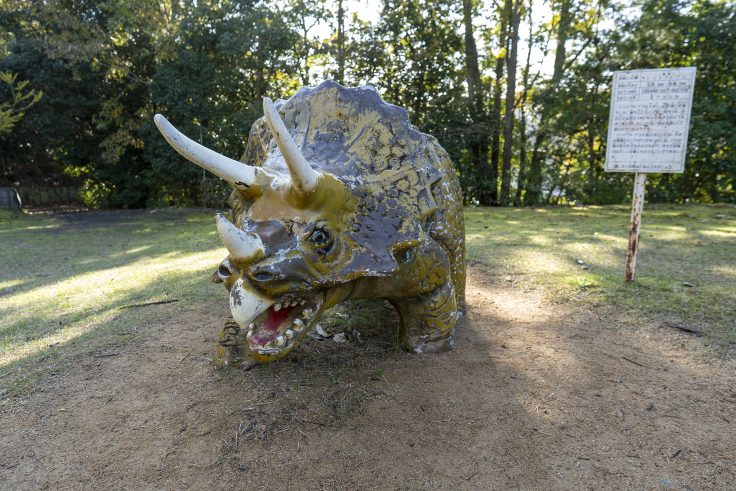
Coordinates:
<point>336,197</point>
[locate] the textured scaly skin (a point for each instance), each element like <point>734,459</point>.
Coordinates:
<point>395,199</point>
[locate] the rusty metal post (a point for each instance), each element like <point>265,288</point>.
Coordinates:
<point>637,205</point>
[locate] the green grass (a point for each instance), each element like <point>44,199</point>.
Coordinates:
<point>695,245</point>
<point>65,279</point>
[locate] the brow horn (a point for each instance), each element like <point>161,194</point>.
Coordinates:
<point>303,177</point>
<point>240,175</point>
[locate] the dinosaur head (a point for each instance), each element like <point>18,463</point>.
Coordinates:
<point>299,236</point>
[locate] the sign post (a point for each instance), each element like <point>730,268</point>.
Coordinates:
<point>647,132</point>
<point>637,206</point>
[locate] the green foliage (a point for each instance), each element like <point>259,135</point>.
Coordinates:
<point>20,101</point>
<point>412,56</point>
<point>105,68</point>
<point>668,33</point>
<point>196,87</point>
<point>703,34</point>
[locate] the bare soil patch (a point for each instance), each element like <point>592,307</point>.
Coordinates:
<point>534,396</point>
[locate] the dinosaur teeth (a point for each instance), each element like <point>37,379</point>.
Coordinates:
<point>277,307</point>
<point>289,334</point>
<point>321,331</point>
<point>307,313</point>
<point>251,326</point>
<point>249,335</point>
<point>280,341</point>
<point>298,324</point>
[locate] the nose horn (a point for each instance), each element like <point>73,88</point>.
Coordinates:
<point>242,246</point>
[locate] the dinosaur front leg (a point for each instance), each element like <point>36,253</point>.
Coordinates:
<point>229,350</point>
<point>428,321</point>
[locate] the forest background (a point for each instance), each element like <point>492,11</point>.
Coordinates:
<point>517,91</point>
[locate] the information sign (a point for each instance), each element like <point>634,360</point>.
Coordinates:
<point>649,120</point>
<point>647,132</point>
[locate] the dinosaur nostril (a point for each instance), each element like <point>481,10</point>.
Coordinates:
<point>224,271</point>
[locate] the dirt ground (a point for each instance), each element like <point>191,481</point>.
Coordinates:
<point>535,395</point>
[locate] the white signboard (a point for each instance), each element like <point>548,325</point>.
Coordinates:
<point>650,116</point>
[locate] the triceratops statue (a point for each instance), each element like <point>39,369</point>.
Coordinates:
<point>337,197</point>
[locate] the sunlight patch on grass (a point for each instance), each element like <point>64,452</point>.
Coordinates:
<point>10,284</point>
<point>582,282</point>
<point>724,270</point>
<point>543,248</point>
<point>725,234</point>
<point>67,278</point>
<point>82,302</point>
<point>42,227</point>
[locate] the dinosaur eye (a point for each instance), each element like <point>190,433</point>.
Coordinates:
<point>320,237</point>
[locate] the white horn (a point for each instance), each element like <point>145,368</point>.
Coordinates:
<point>236,173</point>
<point>303,177</point>
<point>241,245</point>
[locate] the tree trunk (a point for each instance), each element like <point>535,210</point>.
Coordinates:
<point>508,127</point>
<point>472,71</point>
<point>534,179</point>
<point>478,136</point>
<point>496,112</point>
<point>522,159</point>
<point>520,185</point>
<point>563,32</point>
<point>260,82</point>
<point>534,183</point>
<point>340,43</point>
<point>591,173</point>
<point>307,66</point>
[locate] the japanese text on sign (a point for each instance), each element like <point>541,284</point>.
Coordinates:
<point>648,124</point>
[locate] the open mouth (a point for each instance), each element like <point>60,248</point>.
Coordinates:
<point>281,326</point>
<point>273,326</point>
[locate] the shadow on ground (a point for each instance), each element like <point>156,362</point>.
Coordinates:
<point>534,396</point>
<point>66,276</point>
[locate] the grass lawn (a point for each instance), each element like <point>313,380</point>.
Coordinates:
<point>67,279</point>
<point>686,267</point>
<point>67,282</point>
